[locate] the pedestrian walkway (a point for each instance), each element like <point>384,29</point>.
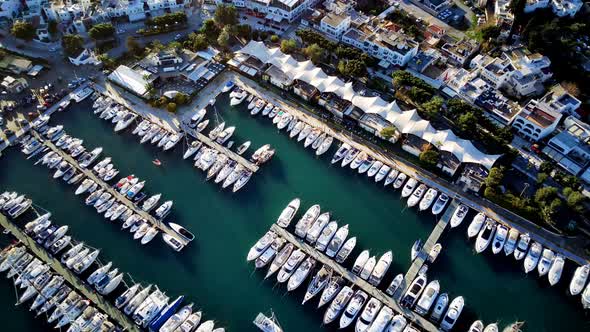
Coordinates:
<point>412,317</point>
<point>79,285</point>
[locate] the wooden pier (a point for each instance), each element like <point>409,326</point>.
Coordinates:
<point>423,255</point>
<point>214,145</point>
<point>84,289</point>
<point>120,198</point>
<point>412,317</point>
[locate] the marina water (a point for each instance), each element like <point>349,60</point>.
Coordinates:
<point>212,271</point>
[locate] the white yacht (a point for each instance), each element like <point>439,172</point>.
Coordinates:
<point>366,164</point>
<point>409,187</point>
<point>586,297</point>
<point>99,273</point>
<point>428,199</point>
<point>280,259</point>
<point>289,213</point>
<point>349,157</point>
<point>398,324</point>
<point>318,283</point>
<point>337,241</point>
<point>197,117</point>
<point>522,246</point>
<point>312,137</point>
<point>127,295</point>
<point>358,160</point>
<point>301,274</point>
<point>453,313</point>
<point>331,290</point>
<point>292,263</point>
<point>440,204</point>
<point>174,322</point>
<point>417,195</point>
<point>326,235</point>
<point>545,262</point>
<point>307,220</point>
<point>269,254</point>
<point>338,304</point>
<point>316,144</point>
<point>374,168</point>
<point>532,257</point>
<point>439,307</point>
<point>368,268</point>
<point>304,132</point>
<point>368,315</point>
<point>360,261</point>
<point>556,269</point>
<point>579,279</point>
<point>325,146</point>
<point>428,297</point>
<point>345,250</point>
<point>458,215</point>
<point>381,268</point>
<point>510,244</point>
<point>485,236</point>
<point>316,228</point>
<point>499,239</point>
<point>476,224</point>
<point>395,283</point>
<point>192,149</point>
<point>391,177</point>
<point>382,320</point>
<point>414,291</point>
<point>382,173</point>
<point>261,245</point>
<point>297,129</point>
<point>353,308</point>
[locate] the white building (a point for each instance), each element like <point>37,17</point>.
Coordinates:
<point>571,147</point>
<point>460,51</point>
<point>392,48</point>
<point>276,10</point>
<point>335,24</point>
<point>535,122</point>
<point>502,11</point>
<point>559,7</point>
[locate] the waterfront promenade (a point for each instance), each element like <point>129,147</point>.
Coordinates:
<point>70,277</point>
<point>412,317</point>
<point>121,198</point>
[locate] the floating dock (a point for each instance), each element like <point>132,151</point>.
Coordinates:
<point>423,255</point>
<point>121,198</point>
<point>412,317</point>
<point>79,285</point>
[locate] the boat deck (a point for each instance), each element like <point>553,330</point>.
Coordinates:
<point>422,258</point>
<point>120,198</point>
<point>83,288</point>
<point>413,317</point>
<point>214,145</point>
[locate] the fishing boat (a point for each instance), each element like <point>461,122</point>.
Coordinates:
<point>280,259</point>
<point>556,269</point>
<point>338,304</point>
<point>337,241</point>
<point>368,315</point>
<point>318,283</point>
<point>485,236</point>
<point>579,279</point>
<point>476,224</point>
<point>427,298</point>
<point>288,213</point>
<point>439,307</point>
<point>458,215</point>
<point>345,250</point>
<point>532,258</point>
<point>453,313</point>
<point>522,246</point>
<point>499,239</point>
<point>301,274</point>
<point>360,261</point>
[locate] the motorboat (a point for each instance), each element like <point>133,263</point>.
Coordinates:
<point>238,98</point>
<point>458,215</point>
<point>136,300</point>
<point>99,273</point>
<point>273,113</point>
<point>353,308</point>
<point>66,305</point>
<point>395,283</point>
<point>206,327</point>
<point>338,304</point>
<point>301,274</point>
<point>360,261</point>
<point>331,290</point>
<point>267,109</point>
<point>453,313</point>
<point>150,133</point>
<point>318,141</point>
<point>326,235</point>
<point>556,269</point>
<point>316,228</point>
<point>141,231</point>
<point>313,135</point>
<point>579,279</point>
<point>532,257</point>
<point>439,307</point>
<point>163,209</point>
<point>269,253</point>
<point>499,239</point>
<point>381,268</point>
<point>350,156</point>
<point>197,118</point>
<point>124,298</point>
<point>233,176</point>
<point>125,121</point>
<point>382,320</point>
<point>491,328</point>
<point>586,298</point>
<point>341,153</point>
<point>93,155</point>
<point>142,127</point>
<point>292,263</point>
<point>280,259</point>
<point>261,245</point>
<point>242,180</point>
<point>522,246</point>
<point>440,204</point>
<point>485,236</point>
<point>325,145</point>
<point>476,224</point>
<point>368,315</point>
<point>307,220</point>
<point>375,167</point>
<point>427,298</point>
<point>47,292</point>
<point>242,148</point>
<point>368,268</point>
<point>288,213</point>
<point>174,322</point>
<point>383,173</point>
<point>37,284</point>
<point>227,169</point>
<point>398,324</point>
<point>173,139</point>
<point>151,202</point>
<point>135,189</point>
<point>73,251</point>
<point>414,291</point>
<point>307,129</point>
<point>337,241</point>
<point>284,120</point>
<point>408,187</point>
<point>510,244</point>
<point>60,244</point>
<point>428,199</point>
<point>258,106</point>
<point>434,252</point>
<point>150,308</point>
<point>150,234</point>
<point>216,131</point>
<point>345,250</point>
<point>297,129</point>
<point>201,126</point>
<point>365,164</point>
<point>417,195</point>
<point>225,135</point>
<point>166,313</point>
<point>318,283</point>
<point>545,262</point>
<point>217,166</point>
<point>392,176</point>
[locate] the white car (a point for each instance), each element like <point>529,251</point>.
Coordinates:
<point>1,121</point>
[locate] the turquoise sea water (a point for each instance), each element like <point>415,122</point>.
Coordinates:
<point>213,272</point>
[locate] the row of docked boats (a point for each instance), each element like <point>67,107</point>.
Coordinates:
<point>12,204</point>
<point>500,237</point>
<point>51,294</point>
<point>109,110</point>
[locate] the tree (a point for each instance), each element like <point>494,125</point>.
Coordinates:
<point>352,68</point>
<point>432,107</point>
<point>574,199</point>
<point>174,45</point>
<point>52,27</point>
<point>429,158</point>
<point>156,46</point>
<point>495,177</point>
<point>72,44</point>
<point>226,15</point>
<point>314,52</point>
<point>288,46</point>
<point>133,46</point>
<point>210,30</point>
<point>223,39</point>
<point>101,31</point>
<point>467,123</point>
<point>181,98</point>
<point>419,95</point>
<point>23,30</point>
<point>388,132</point>
<point>243,31</point>
<point>545,194</point>
<point>274,38</point>
<point>171,107</point>
<point>542,177</point>
<point>196,42</point>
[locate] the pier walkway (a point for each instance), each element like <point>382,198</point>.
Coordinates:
<point>412,317</point>
<point>121,198</point>
<point>423,255</point>
<point>83,288</point>
<point>212,144</point>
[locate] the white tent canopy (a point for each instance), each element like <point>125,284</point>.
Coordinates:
<point>408,122</point>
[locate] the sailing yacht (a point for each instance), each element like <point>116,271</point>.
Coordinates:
<point>318,282</point>
<point>288,213</point>
<point>532,257</point>
<point>264,323</point>
<point>353,308</point>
